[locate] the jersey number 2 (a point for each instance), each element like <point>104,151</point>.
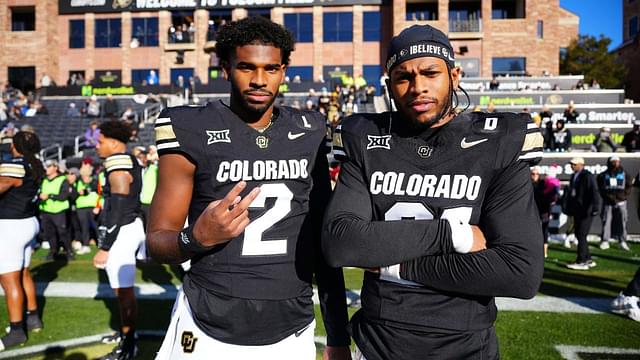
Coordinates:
<point>253,244</point>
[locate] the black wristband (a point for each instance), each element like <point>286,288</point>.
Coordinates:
<point>188,243</point>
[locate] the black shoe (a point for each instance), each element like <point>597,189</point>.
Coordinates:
<point>50,257</point>
<point>14,337</point>
<point>122,352</point>
<point>34,323</point>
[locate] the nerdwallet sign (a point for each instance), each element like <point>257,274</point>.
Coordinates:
<point>110,6</point>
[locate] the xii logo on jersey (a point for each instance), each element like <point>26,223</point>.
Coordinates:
<point>216,136</point>
<point>188,342</point>
<point>379,142</point>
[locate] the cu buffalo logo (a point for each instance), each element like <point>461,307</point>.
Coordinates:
<point>188,342</point>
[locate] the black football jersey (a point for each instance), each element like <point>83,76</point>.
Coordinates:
<point>397,184</point>
<point>254,289</point>
<point>19,202</point>
<point>124,162</point>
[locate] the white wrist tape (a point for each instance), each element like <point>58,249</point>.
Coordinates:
<point>461,236</point>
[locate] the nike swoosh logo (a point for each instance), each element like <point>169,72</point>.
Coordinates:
<point>299,332</point>
<point>465,145</point>
<point>110,230</point>
<point>294,136</point>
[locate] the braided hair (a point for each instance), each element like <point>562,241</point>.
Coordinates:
<point>28,145</point>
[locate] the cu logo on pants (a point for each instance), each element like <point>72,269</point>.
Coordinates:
<point>188,342</point>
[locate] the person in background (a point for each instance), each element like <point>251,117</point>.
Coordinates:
<point>72,175</point>
<point>546,114</point>
<point>111,107</point>
<point>571,114</point>
<point>91,135</point>
<point>149,182</point>
<point>152,78</point>
<point>615,186</point>
<point>561,137</point>
<point>122,233</point>
<point>19,182</point>
<point>72,111</point>
<point>631,140</point>
<point>6,139</point>
<point>54,195</point>
<point>628,301</point>
<point>547,133</point>
<point>581,201</point>
<point>546,193</point>
<point>86,187</point>
<point>603,142</point>
<point>92,108</point>
<point>494,84</point>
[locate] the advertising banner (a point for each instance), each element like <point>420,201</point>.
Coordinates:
<point>528,98</point>
<point>111,6</point>
<point>588,113</point>
<point>521,83</point>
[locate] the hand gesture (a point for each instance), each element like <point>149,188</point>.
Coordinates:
<point>224,219</point>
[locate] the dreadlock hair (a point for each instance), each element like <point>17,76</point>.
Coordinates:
<point>253,31</point>
<point>28,144</point>
<point>116,129</point>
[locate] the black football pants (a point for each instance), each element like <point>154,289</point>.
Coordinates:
<point>56,231</point>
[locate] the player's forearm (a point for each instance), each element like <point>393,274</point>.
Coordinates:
<point>513,263</point>
<point>505,271</point>
<point>163,247</point>
<point>351,241</point>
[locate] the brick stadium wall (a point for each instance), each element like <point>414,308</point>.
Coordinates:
<point>47,48</point>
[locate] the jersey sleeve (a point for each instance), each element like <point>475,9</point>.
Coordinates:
<point>118,162</point>
<point>351,237</point>
<point>13,170</point>
<point>512,264</point>
<point>524,140</point>
<point>174,133</point>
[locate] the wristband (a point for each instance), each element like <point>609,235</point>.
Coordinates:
<point>188,243</point>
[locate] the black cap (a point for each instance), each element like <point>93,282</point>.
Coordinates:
<point>419,41</point>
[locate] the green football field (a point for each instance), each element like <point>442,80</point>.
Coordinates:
<point>522,334</point>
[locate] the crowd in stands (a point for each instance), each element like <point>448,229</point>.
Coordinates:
<point>15,105</point>
<point>348,96</point>
<point>182,33</point>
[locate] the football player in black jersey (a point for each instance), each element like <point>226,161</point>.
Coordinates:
<point>19,184</point>
<point>411,182</point>
<point>253,181</point>
<point>122,233</point>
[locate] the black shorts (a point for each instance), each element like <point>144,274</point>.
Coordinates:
<point>384,342</point>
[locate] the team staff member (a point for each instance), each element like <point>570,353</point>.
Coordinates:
<point>149,183</point>
<point>252,179</point>
<point>19,183</point>
<point>54,203</point>
<point>582,201</point>
<point>122,233</point>
<point>86,187</point>
<point>410,184</point>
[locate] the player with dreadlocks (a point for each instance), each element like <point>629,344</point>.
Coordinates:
<point>438,206</point>
<point>253,180</point>
<point>19,184</point>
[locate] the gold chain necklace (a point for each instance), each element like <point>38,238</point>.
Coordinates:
<point>262,130</point>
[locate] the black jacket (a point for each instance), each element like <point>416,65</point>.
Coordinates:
<point>581,198</point>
